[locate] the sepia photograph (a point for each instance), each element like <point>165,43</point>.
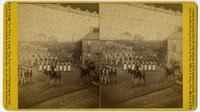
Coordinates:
<point>100,55</point>
<point>51,41</point>
<point>142,44</point>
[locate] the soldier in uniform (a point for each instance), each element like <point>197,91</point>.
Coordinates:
<point>44,67</point>
<point>111,62</point>
<point>150,65</point>
<point>30,74</point>
<point>106,57</point>
<point>57,66</point>
<point>23,81</point>
<point>142,64</point>
<point>107,80</point>
<point>145,65</point>
<point>133,65</point>
<point>40,67</point>
<point>123,60</point>
<point>129,66</point>
<point>65,66</point>
<point>60,67</point>
<point>69,66</point>
<point>125,66</point>
<point>48,67</point>
<point>154,65</point>
<point>114,71</point>
<point>103,74</point>
<point>19,74</point>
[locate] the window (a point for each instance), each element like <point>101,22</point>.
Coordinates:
<point>88,49</point>
<point>174,48</point>
<point>89,42</point>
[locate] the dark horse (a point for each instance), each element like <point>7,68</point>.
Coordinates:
<point>136,74</point>
<point>54,75</point>
<point>170,71</point>
<point>46,74</point>
<point>92,69</point>
<point>89,71</point>
<point>85,72</point>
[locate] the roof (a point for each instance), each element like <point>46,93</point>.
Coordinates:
<point>92,36</point>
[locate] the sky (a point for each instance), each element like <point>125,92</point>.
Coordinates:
<point>174,7</point>
<point>95,6</point>
<point>91,7</point>
<point>117,19</point>
<point>35,20</point>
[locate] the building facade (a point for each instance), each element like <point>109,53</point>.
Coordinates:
<point>90,47</point>
<point>175,48</point>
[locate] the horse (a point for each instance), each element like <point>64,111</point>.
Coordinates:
<point>54,75</point>
<point>169,72</point>
<point>92,69</point>
<point>29,76</point>
<point>136,74</point>
<point>85,72</point>
<point>46,74</point>
<point>113,76</point>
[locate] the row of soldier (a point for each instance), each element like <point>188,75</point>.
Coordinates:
<point>107,73</point>
<point>143,65</point>
<point>32,57</point>
<point>117,60</point>
<point>43,59</point>
<point>104,72</point>
<point>24,75</point>
<point>58,66</point>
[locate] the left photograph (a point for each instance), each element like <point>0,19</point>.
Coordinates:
<point>54,43</point>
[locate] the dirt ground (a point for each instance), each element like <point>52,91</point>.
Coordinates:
<point>71,92</point>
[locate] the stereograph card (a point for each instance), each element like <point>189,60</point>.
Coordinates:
<point>100,56</point>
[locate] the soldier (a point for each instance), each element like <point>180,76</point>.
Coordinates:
<point>129,66</point>
<point>111,62</point>
<point>106,57</point>
<point>103,74</point>
<point>154,65</point>
<point>23,81</point>
<point>61,67</point>
<point>115,70</point>
<point>69,66</point>
<point>125,66</point>
<point>44,67</point>
<point>52,58</point>
<point>123,60</point>
<point>110,68</point>
<point>48,67</point>
<point>107,80</point>
<point>19,74</point>
<point>65,67</point>
<point>30,74</point>
<point>142,64</point>
<point>139,68</point>
<point>127,58</point>
<point>145,65</point>
<point>57,66</point>
<point>115,61</point>
<point>133,65</point>
<point>150,65</point>
<point>52,65</point>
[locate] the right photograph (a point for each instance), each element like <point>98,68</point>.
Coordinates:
<point>140,55</point>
